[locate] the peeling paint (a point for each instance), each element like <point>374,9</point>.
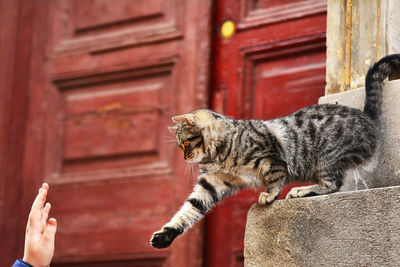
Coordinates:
<point>124,123</point>
<point>358,34</point>
<point>378,32</point>
<point>349,7</point>
<point>355,16</point>
<point>342,80</point>
<point>110,107</point>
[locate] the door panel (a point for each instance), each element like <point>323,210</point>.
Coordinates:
<point>117,219</point>
<point>101,25</point>
<point>277,83</point>
<point>110,121</point>
<point>87,18</point>
<point>273,65</point>
<point>107,78</point>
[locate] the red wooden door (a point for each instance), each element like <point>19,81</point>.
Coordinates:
<point>104,79</point>
<point>273,65</point>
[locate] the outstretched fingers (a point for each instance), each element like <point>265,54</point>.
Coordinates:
<point>45,213</point>
<point>36,211</point>
<point>50,232</point>
<point>40,198</point>
<point>39,212</point>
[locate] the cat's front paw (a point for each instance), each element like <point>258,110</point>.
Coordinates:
<point>266,198</point>
<point>164,237</point>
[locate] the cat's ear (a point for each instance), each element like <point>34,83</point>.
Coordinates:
<point>187,119</point>
<point>172,129</point>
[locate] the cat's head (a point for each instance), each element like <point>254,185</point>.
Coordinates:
<point>189,132</point>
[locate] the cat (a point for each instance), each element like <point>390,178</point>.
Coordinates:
<point>318,144</point>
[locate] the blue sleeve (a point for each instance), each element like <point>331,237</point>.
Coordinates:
<point>21,263</point>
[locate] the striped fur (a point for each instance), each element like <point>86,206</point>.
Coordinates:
<point>318,144</point>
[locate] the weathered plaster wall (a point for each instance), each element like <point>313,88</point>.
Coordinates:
<point>359,32</point>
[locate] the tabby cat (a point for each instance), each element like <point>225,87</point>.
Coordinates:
<point>318,143</point>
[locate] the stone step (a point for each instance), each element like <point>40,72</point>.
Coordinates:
<point>359,228</point>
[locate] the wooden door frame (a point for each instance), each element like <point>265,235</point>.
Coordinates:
<point>16,53</point>
<point>23,29</point>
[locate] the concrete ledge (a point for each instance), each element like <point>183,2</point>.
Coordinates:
<point>359,228</point>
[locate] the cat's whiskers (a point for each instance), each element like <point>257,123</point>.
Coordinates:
<point>170,141</point>
<point>190,169</point>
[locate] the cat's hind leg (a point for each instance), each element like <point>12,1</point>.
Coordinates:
<point>311,190</point>
<point>329,182</point>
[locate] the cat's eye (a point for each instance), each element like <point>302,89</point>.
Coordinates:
<point>186,143</point>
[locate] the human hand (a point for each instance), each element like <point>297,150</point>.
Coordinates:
<point>40,233</point>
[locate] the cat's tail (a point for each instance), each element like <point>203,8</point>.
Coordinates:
<point>374,84</point>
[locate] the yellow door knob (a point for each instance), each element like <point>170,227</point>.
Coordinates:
<point>227,29</point>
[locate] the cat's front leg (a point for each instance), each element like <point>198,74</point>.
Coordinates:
<point>209,190</point>
<point>274,179</point>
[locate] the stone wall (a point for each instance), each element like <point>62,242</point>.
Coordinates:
<point>359,32</point>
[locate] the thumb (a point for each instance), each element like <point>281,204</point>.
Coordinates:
<point>50,231</point>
